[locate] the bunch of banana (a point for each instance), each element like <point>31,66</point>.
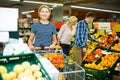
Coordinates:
<point>91,46</point>
<point>96,36</point>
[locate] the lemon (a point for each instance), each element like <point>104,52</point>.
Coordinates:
<point>6,76</point>
<point>40,78</point>
<point>25,64</point>
<point>3,69</point>
<point>13,74</point>
<point>21,75</point>
<point>37,74</point>
<point>32,78</point>
<point>18,69</point>
<point>15,79</point>
<point>28,72</point>
<point>35,67</point>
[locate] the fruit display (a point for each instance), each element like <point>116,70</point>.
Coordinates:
<point>109,59</point>
<point>116,28</point>
<point>23,71</point>
<point>96,36</point>
<point>106,62</point>
<point>71,55</point>
<point>107,40</point>
<point>56,59</point>
<point>116,46</point>
<point>94,56</point>
<point>102,58</point>
<point>91,46</point>
<point>95,66</point>
<point>90,57</point>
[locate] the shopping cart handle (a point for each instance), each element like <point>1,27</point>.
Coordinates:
<point>47,47</point>
<point>41,48</point>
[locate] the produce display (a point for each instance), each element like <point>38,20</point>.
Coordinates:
<point>93,56</point>
<point>23,71</point>
<point>56,59</point>
<point>107,40</point>
<point>95,66</point>
<point>71,56</point>
<point>97,35</point>
<point>106,62</point>
<point>91,46</point>
<point>109,59</point>
<point>116,47</point>
<point>101,58</point>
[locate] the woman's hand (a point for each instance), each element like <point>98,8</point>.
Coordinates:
<point>52,46</point>
<point>32,48</point>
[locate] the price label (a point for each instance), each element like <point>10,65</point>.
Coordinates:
<point>104,25</point>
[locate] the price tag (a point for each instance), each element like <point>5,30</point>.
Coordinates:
<point>104,25</point>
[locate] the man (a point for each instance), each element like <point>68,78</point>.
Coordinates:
<point>82,34</point>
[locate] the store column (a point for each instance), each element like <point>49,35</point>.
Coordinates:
<point>61,12</point>
<point>20,10</point>
<point>57,13</point>
<point>66,11</point>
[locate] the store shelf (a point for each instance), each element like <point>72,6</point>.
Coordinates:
<point>24,27</point>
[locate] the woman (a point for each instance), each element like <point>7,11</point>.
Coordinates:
<point>43,33</point>
<point>66,34</point>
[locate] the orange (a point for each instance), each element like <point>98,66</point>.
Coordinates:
<point>60,56</point>
<point>54,61</point>
<point>61,62</point>
<point>50,58</point>
<point>54,55</point>
<point>61,66</point>
<point>46,55</point>
<point>56,65</point>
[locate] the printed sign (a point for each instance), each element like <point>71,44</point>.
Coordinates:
<point>104,25</point>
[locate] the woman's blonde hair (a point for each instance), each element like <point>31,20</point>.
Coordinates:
<point>43,6</point>
<point>73,19</point>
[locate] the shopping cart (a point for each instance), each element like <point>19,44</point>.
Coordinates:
<point>70,71</point>
<point>44,50</point>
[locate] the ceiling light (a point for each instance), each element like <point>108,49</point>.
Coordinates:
<point>54,5</point>
<point>38,2</point>
<point>93,9</point>
<point>14,0</point>
<point>106,10</point>
<point>96,9</point>
<point>27,12</point>
<point>58,4</point>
